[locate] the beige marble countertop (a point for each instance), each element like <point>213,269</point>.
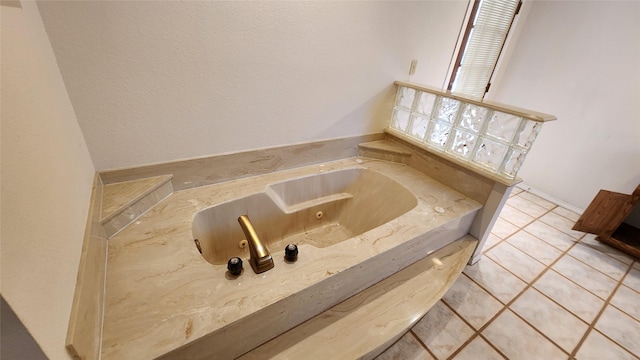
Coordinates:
<point>162,294</point>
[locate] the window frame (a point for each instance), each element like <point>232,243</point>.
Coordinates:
<point>463,41</point>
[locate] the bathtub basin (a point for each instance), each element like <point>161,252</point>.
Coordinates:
<point>319,210</point>
<point>167,300</point>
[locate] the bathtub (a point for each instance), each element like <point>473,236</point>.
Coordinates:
<point>355,221</point>
<point>319,210</point>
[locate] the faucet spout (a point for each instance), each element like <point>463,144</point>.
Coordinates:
<point>260,258</point>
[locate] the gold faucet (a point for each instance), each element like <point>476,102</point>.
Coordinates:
<point>260,258</point>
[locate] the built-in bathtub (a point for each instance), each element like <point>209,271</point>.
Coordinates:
<point>319,210</point>
<point>167,300</point>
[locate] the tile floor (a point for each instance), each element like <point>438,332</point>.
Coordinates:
<point>541,291</point>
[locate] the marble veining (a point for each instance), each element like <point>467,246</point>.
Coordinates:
<point>382,312</point>
<point>163,295</point>
<point>130,212</point>
<point>120,195</point>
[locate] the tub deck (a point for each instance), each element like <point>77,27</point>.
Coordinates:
<point>164,299</point>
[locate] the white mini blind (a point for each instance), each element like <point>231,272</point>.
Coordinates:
<point>490,28</point>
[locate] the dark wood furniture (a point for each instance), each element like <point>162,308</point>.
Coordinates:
<point>606,217</point>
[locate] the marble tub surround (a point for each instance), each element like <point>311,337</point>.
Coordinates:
<point>165,300</point>
<point>208,170</point>
<point>85,323</point>
<point>488,189</point>
<point>126,201</point>
<point>364,325</point>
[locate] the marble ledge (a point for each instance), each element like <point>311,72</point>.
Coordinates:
<point>215,169</point>
<point>383,312</point>
<point>84,333</point>
<point>118,196</point>
<point>144,201</point>
<point>455,160</point>
<point>509,109</point>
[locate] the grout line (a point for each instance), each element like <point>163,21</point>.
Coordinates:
<point>600,271</point>
<point>529,285</point>
<point>551,199</point>
<point>593,247</point>
<point>493,346</point>
<point>422,343</point>
<point>595,320</point>
<point>517,296</point>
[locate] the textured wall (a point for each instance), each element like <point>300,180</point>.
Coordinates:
<point>578,60</point>
<point>159,81</point>
<point>46,182</point>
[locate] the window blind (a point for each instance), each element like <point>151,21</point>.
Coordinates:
<point>490,28</point>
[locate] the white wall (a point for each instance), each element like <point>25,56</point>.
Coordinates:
<point>158,81</point>
<point>46,176</point>
<point>578,60</point>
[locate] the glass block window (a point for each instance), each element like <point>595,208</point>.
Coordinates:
<point>425,104</point>
<point>419,127</point>
<point>495,141</point>
<point>448,109</point>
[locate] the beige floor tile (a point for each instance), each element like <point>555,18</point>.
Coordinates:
<point>559,325</point>
<point>471,302</point>
<point>503,228</point>
<point>478,349</point>
<point>515,191</point>
<point>568,294</point>
<point>627,300</point>
<point>593,280</point>
<point>636,265</point>
<point>442,331</point>
<point>566,213</point>
<point>601,262</point>
<point>621,328</point>
<point>550,235</point>
<point>517,340</point>
<point>495,279</point>
<point>598,347</point>
<point>632,279</point>
<point>590,239</point>
<point>492,240</point>
<point>534,247</point>
<point>515,216</point>
<point>537,200</point>
<point>561,223</point>
<point>407,348</point>
<point>520,264</point>
<point>527,206</point>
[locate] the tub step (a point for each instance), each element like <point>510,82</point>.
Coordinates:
<point>384,150</point>
<point>290,209</point>
<point>364,325</point>
<point>124,202</point>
